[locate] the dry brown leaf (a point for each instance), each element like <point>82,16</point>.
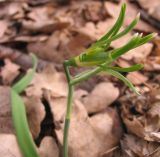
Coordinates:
<point>157,43</point>
<point>9,146</point>
<point>48,148</point>
<point>15,10</point>
<point>9,72</point>
<point>92,137</point>
<point>143,122</point>
<point>50,80</point>
<point>41,19</point>
<point>108,128</point>
<point>152,64</point>
<point>7,31</point>
<point>34,108</point>
<point>77,44</point>
<point>80,93</point>
<point>51,49</point>
<point>135,126</point>
<point>131,12</point>
<point>95,11</point>
<point>137,78</point>
<point>58,108</point>
<point>155,110</point>
<point>89,29</point>
<point>135,147</point>
<point>35,114</point>
<point>4,27</point>
<point>30,39</point>
<point>103,95</point>
<point>153,7</point>
<point>5,111</point>
<point>84,140</point>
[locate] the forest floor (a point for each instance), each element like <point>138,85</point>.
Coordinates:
<point>108,119</point>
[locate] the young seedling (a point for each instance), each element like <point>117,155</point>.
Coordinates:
<point>100,57</point>
<point>23,134</point>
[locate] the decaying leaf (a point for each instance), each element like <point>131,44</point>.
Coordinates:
<point>9,72</point>
<point>35,114</point>
<point>9,146</point>
<point>107,125</point>
<point>5,111</point>
<point>135,147</point>
<point>78,44</point>
<point>48,148</point>
<point>84,137</point>
<point>137,78</point>
<point>50,80</point>
<point>103,95</point>
<point>42,20</point>
<point>152,7</point>
<point>142,118</point>
<point>131,12</point>
<point>51,48</point>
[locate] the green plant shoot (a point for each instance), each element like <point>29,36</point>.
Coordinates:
<point>100,57</point>
<point>19,117</point>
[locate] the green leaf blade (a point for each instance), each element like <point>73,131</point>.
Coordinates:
<point>24,82</point>
<point>133,68</point>
<point>126,30</point>
<point>23,134</point>
<point>122,78</point>
<point>115,27</point>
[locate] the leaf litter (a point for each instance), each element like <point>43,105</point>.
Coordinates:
<point>108,120</point>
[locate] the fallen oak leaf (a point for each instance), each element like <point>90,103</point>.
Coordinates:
<point>103,95</point>
<point>48,79</point>
<point>48,147</point>
<point>9,146</point>
<point>9,72</point>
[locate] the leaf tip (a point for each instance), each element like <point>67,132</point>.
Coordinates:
<point>138,16</point>
<point>154,35</point>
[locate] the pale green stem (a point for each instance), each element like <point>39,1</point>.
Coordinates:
<point>68,112</point>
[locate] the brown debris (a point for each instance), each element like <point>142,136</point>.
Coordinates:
<point>9,72</point>
<point>49,144</point>
<point>9,146</point>
<point>5,111</point>
<point>35,114</point>
<point>103,95</point>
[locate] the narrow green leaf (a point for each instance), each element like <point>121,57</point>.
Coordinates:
<point>23,134</point>
<point>115,27</point>
<point>24,82</point>
<point>146,39</point>
<point>127,47</point>
<point>122,78</point>
<point>126,30</point>
<point>135,67</point>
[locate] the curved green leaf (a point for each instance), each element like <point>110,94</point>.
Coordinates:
<point>127,47</point>
<point>135,67</point>
<point>126,30</point>
<point>23,135</point>
<point>115,27</point>
<point>122,78</point>
<point>24,82</point>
